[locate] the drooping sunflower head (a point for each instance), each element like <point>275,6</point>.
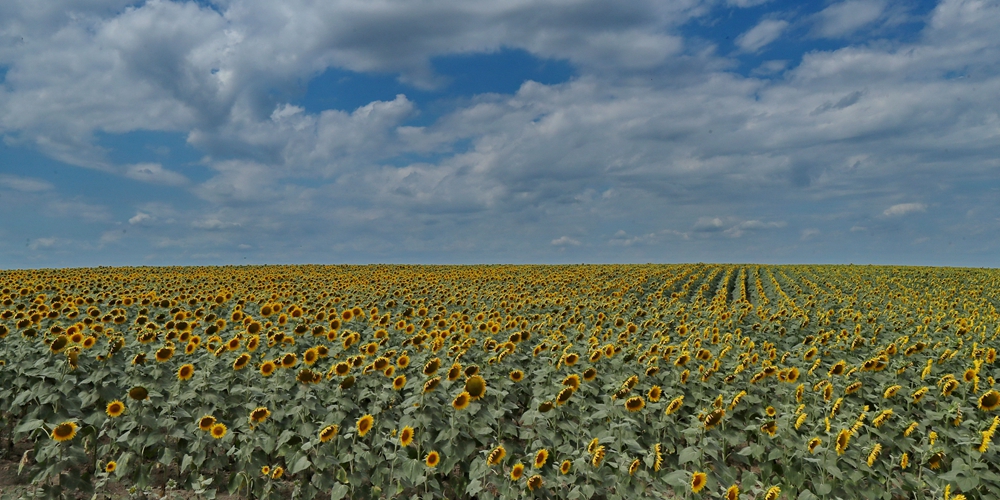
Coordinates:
<point>572,381</point>
<point>535,482</point>
<point>674,405</point>
<point>164,354</point>
<point>564,396</point>
<point>989,401</point>
<point>461,401</point>
<point>843,439</point>
<point>770,428</point>
<point>592,447</point>
<point>115,408</point>
<point>496,455</point>
<point>633,467</point>
<point>138,393</point>
<point>635,403</point>
<point>454,372</point>
<point>64,431</point>
<point>546,406</point>
<point>329,432</point>
<point>259,414</point>
<point>432,366</point>
<point>241,361</point>
<point>406,436</point>
<point>205,423</point>
<point>714,418</point>
<point>589,374</point>
<point>431,384</point>
<point>813,443</point>
<point>475,386</point>
<point>772,493</point>
<point>277,472</point>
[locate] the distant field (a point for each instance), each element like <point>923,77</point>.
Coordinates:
<point>569,382</point>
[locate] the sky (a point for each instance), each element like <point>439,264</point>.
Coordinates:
<point>218,132</point>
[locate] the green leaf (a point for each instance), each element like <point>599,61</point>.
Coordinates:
<point>677,478</point>
<point>339,491</point>
<point>688,455</point>
<point>807,495</point>
<point>300,465</point>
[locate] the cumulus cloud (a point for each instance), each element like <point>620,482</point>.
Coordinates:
<point>904,208</point>
<point>844,18</point>
<point>154,173</point>
<point>763,34</point>
<point>139,217</point>
<point>24,184</point>
<point>565,240</point>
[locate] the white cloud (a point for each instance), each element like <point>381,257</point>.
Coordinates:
<point>565,240</point>
<point>138,218</point>
<point>904,208</point>
<point>746,3</point>
<point>809,233</point>
<point>24,184</point>
<point>844,18</point>
<point>154,173</point>
<point>39,243</point>
<point>764,33</point>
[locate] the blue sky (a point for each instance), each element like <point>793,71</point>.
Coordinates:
<point>249,131</point>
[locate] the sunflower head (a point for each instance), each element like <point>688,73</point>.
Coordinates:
<point>205,423</point>
<point>535,482</point>
<point>64,431</point>
<point>517,471</point>
<point>399,382</point>
<point>259,414</point>
<point>267,368</point>
<point>328,433</point>
<point>635,403</point>
<point>365,424</point>
<point>517,375</point>
<point>115,408</point>
<point>541,457</point>
<point>431,384</point>
<point>432,366</point>
<point>475,386</point>
<point>277,472</point>
<point>406,436</point>
<point>496,455</point>
<point>714,418</point>
<point>110,466</point>
<point>698,481</point>
<point>241,361</point>
<point>164,354</point>
<point>772,493</point>
<point>454,372</point>
<point>589,374</point>
<point>733,493</point>
<point>565,467</point>
<point>989,401</point>
<point>218,430</point>
<point>289,360</point>
<point>433,459</point>
<point>461,401</point>
<point>138,393</point>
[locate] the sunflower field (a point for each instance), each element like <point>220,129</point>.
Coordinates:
<point>566,382</point>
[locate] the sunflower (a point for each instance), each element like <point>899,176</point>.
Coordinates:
<point>733,493</point>
<point>904,461</point>
<point>164,354</point>
<point>589,374</point>
<point>406,436</point>
<point>138,393</point>
<point>770,428</point>
<point>517,471</point>
<point>289,360</point>
<point>572,381</point>
<point>545,407</point>
<point>813,443</point>
<point>139,359</point>
<point>541,457</point>
<point>433,459</point>
<point>241,362</point>
<point>919,393</point>
<point>633,467</point>
<point>365,424</point>
<point>115,408</point>
<point>64,431</point>
<point>772,493</point>
<point>657,457</point>
<point>475,386</point>
<point>698,481</point>
<point>970,375</point>
<point>267,368</point>
<point>873,456</point>
<point>565,467</point>
<point>59,344</point>
<point>461,401</point>
<point>328,433</point>
<point>277,472</point>
<point>399,382</point>
<point>635,403</point>
<point>989,401</point>
<point>843,439</point>
<point>714,418</point>
<point>454,372</point>
<point>218,430</point>
<point>205,423</point>
<point>432,366</point>
<point>674,405</point>
<point>564,395</point>
<point>259,415</point>
<point>496,455</point>
<point>654,393</point>
<point>792,375</point>
<point>431,384</point>
<point>852,388</point>
<point>111,466</point>
<point>770,411</point>
<point>535,482</point>
<point>801,419</point>
<point>891,391</point>
<point>190,348</point>
<point>598,456</point>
